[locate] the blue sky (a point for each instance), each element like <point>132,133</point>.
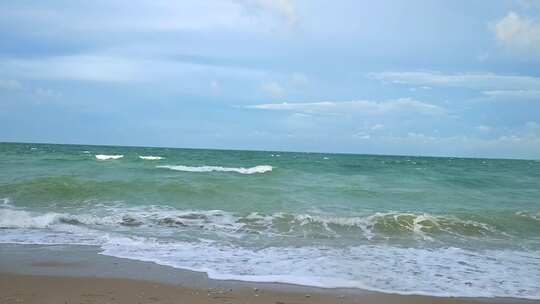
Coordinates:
<point>458,78</point>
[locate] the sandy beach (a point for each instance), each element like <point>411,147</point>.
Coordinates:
<point>51,289</point>
<point>77,274</point>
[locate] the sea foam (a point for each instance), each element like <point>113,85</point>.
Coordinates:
<point>108,157</point>
<point>440,271</point>
<point>149,157</point>
<point>252,170</point>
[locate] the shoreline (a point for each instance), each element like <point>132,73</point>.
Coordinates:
<point>27,271</point>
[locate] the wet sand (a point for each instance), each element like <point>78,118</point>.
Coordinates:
<point>78,274</point>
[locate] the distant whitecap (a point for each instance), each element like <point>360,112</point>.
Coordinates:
<point>252,170</point>
<point>150,157</point>
<point>108,157</point>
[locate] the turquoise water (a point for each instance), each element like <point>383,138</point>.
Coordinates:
<point>421,225</point>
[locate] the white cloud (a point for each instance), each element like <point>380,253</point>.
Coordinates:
<point>356,107</point>
<point>125,17</point>
<point>284,8</point>
<point>376,127</point>
<point>122,68</point>
<point>274,89</point>
<point>518,33</point>
<point>9,84</point>
<point>516,94</point>
<point>81,67</point>
<point>467,80</point>
<point>362,135</point>
<point>483,128</point>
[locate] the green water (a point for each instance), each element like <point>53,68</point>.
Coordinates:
<point>308,203</point>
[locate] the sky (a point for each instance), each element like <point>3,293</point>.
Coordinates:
<point>441,78</point>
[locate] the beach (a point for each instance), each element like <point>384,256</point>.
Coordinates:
<point>78,274</point>
<point>270,151</point>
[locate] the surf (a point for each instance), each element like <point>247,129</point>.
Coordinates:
<point>108,157</point>
<point>241,170</point>
<point>150,157</point>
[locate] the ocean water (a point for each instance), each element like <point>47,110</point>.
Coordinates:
<point>409,225</point>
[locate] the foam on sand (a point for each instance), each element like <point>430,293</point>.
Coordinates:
<point>150,157</point>
<point>108,157</point>
<point>241,170</point>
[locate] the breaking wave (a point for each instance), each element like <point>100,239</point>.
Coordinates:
<point>150,157</point>
<point>442,271</point>
<point>377,226</point>
<point>529,215</point>
<point>252,170</point>
<point>108,157</point>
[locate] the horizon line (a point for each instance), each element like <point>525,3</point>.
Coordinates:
<point>281,151</point>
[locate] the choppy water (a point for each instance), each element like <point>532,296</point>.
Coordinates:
<point>420,225</point>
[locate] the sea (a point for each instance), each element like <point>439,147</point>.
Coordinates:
<point>438,226</point>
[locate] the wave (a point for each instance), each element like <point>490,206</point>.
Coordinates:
<point>448,272</point>
<point>377,226</point>
<point>108,157</point>
<point>380,225</point>
<point>529,215</point>
<point>252,170</point>
<point>441,271</point>
<point>149,157</point>
<point>118,216</point>
<point>22,219</point>
<point>445,271</point>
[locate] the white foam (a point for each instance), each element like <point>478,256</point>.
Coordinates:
<point>11,218</point>
<point>439,272</point>
<point>252,170</point>
<point>386,268</point>
<point>530,215</point>
<point>149,157</point>
<point>424,227</point>
<point>108,157</point>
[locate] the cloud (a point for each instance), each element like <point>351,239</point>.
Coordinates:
<point>532,125</point>
<point>518,33</point>
<point>505,146</point>
<point>274,89</point>
<point>10,84</point>
<point>284,8</point>
<point>124,68</point>
<point>529,4</point>
<point>514,94</point>
<point>367,107</point>
<point>80,67</point>
<point>47,93</point>
<point>483,128</point>
<point>376,127</point>
<point>466,80</point>
<point>362,135</point>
